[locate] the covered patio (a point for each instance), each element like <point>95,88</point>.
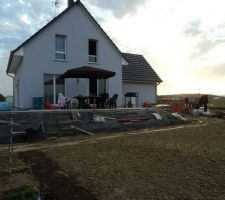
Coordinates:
<point>97,79</point>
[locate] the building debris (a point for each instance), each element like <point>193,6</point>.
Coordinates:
<point>178,116</point>
<point>45,124</point>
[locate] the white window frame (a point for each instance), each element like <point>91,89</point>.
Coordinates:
<point>61,52</point>
<point>93,56</point>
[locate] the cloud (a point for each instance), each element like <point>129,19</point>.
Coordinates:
<point>173,35</point>
<point>7,27</point>
<point>119,8</point>
<point>203,47</point>
<point>205,38</point>
<point>24,18</point>
<point>217,70</point>
<point>21,1</point>
<point>16,27</point>
<point>32,16</point>
<point>193,28</point>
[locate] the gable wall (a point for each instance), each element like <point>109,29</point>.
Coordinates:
<point>39,56</point>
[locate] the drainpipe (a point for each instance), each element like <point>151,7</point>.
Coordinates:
<point>54,89</point>
<point>13,86</point>
<point>156,93</point>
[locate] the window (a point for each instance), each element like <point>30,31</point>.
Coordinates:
<point>92,56</point>
<point>60,47</point>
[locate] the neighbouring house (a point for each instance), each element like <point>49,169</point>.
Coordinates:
<point>73,40</point>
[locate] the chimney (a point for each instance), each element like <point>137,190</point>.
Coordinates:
<point>70,3</point>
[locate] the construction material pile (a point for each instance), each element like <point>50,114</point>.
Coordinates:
<point>45,124</point>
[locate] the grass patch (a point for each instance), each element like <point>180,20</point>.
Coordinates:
<point>217,102</point>
<point>5,156</point>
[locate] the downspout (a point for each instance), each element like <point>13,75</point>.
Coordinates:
<point>156,92</point>
<point>54,90</point>
<point>13,88</point>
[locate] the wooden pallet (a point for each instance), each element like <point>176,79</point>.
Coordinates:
<point>67,124</point>
<point>132,118</point>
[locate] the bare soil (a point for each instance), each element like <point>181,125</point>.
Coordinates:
<point>54,183</point>
<point>186,163</point>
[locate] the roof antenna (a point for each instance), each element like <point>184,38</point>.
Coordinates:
<point>55,3</point>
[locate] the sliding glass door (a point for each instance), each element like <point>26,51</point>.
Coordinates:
<point>53,85</point>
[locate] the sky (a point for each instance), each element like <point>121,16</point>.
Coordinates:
<point>183,40</point>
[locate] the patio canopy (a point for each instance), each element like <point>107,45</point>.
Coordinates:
<point>88,72</point>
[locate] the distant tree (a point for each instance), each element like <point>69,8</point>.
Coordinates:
<point>2,98</point>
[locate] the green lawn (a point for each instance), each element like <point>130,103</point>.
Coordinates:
<point>217,102</point>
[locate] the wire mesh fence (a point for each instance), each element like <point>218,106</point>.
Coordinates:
<point>8,159</point>
<point>5,158</point>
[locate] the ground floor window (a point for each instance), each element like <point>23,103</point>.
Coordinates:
<point>53,85</point>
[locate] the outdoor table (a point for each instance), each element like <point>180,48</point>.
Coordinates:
<point>85,101</point>
<point>82,101</point>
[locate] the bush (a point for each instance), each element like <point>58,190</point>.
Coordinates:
<point>27,193</point>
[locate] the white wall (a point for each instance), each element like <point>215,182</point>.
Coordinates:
<point>17,80</point>
<point>39,56</point>
<point>146,92</point>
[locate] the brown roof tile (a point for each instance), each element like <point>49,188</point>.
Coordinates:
<point>139,70</point>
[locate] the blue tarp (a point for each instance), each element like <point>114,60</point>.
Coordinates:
<point>5,106</point>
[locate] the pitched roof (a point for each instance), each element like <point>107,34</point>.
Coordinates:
<point>139,70</point>
<point>76,3</point>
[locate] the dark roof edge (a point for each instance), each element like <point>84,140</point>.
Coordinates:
<point>52,21</point>
<point>136,81</point>
<point>137,54</point>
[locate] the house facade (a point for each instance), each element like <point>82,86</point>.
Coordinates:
<point>72,39</point>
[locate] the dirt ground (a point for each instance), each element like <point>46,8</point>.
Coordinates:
<point>185,163</point>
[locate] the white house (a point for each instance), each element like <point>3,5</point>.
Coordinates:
<point>74,39</point>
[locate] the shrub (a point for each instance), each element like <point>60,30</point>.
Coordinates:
<point>27,193</point>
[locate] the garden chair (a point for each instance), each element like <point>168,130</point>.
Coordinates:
<point>104,100</point>
<point>113,101</point>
